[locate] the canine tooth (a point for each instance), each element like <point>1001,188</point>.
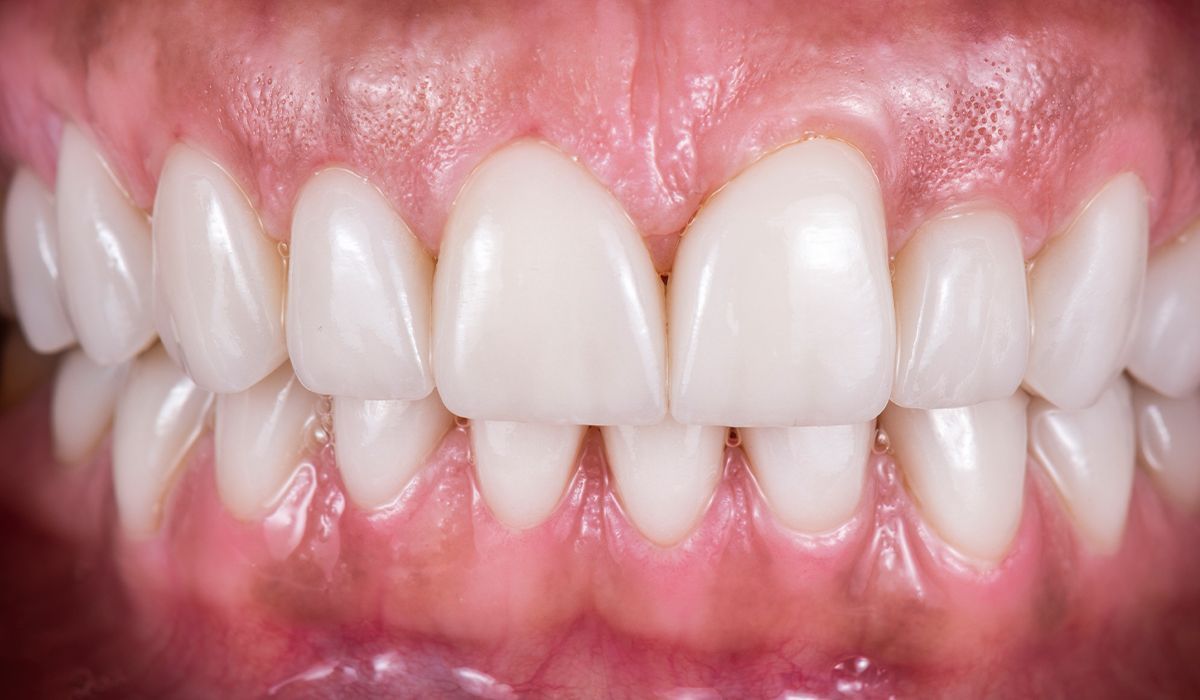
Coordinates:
<point>85,394</point>
<point>1089,454</point>
<point>781,299</point>
<point>32,247</point>
<point>158,417</point>
<point>359,288</point>
<point>523,468</point>
<point>665,474</point>
<point>260,440</point>
<point>966,469</point>
<point>811,476</point>
<point>1166,346</point>
<point>1168,433</point>
<point>546,306</point>
<point>105,254</point>
<point>221,277</point>
<point>1086,289</point>
<point>381,444</point>
<point>962,312</point>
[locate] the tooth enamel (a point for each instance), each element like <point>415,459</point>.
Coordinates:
<point>382,444</point>
<point>158,417</point>
<point>359,288</point>
<point>82,407</point>
<point>1085,288</point>
<point>1168,432</point>
<point>665,474</point>
<point>781,299</point>
<point>523,468</point>
<point>220,277</point>
<point>260,440</point>
<point>962,314</point>
<point>104,254</point>
<point>32,249</point>
<point>546,306</point>
<point>1166,346</point>
<point>811,476</point>
<point>1089,454</point>
<point>966,470</point>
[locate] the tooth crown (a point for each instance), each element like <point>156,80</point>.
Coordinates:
<point>1166,351</point>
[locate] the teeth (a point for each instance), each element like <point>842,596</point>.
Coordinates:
<point>665,474</point>
<point>158,418</point>
<point>260,440</point>
<point>1166,346</point>
<point>105,254</point>
<point>811,476</point>
<point>962,314</point>
<point>966,469</point>
<point>1086,288</point>
<point>1168,432</point>
<point>221,279</point>
<point>547,308</point>
<point>32,247</point>
<point>781,300</point>
<point>82,407</point>
<point>359,292</point>
<point>382,444</point>
<point>1089,454</point>
<point>523,468</point>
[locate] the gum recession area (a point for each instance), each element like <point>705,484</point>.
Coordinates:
<point>433,596</point>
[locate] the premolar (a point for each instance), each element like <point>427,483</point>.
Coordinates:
<point>781,300</point>
<point>523,468</point>
<point>1166,346</point>
<point>31,241</point>
<point>1168,432</point>
<point>85,395</point>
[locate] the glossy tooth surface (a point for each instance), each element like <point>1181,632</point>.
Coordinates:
<point>220,277</point>
<point>359,288</point>
<point>962,313</point>
<point>260,441</point>
<point>547,308</point>
<point>158,417</point>
<point>105,255</point>
<point>381,444</point>
<point>966,470</point>
<point>1168,433</point>
<point>665,474</point>
<point>811,476</point>
<point>85,394</point>
<point>1085,289</point>
<point>1089,454</point>
<point>781,299</point>
<point>31,245</point>
<point>1166,345</point>
<point>523,468</point>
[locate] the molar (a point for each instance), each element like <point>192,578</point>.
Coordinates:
<point>1166,346</point>
<point>1168,433</point>
<point>523,468</point>
<point>781,300</point>
<point>31,243</point>
<point>85,395</point>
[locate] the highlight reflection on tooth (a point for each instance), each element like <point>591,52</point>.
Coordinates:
<point>781,299</point>
<point>1166,345</point>
<point>1168,434</point>
<point>523,468</point>
<point>85,395</point>
<point>31,243</point>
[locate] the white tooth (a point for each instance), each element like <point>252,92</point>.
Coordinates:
<point>665,474</point>
<point>1166,346</point>
<point>82,407</point>
<point>221,277</point>
<point>966,469</point>
<point>1085,289</point>
<point>32,248</point>
<point>523,468</point>
<point>546,306</point>
<point>962,313</point>
<point>780,301</point>
<point>1168,432</point>
<point>382,444</point>
<point>1089,454</point>
<point>811,476</point>
<point>359,288</point>
<point>105,252</point>
<point>158,417</point>
<point>260,441</point>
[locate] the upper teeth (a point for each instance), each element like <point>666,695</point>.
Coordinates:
<point>544,314</point>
